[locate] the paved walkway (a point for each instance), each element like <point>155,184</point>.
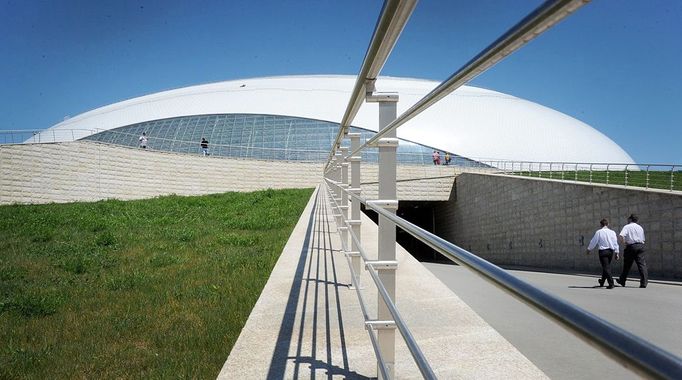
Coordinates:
<point>654,313</point>
<point>307,322</point>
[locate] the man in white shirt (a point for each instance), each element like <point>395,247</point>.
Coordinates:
<point>143,140</point>
<point>633,237</point>
<point>605,238</point>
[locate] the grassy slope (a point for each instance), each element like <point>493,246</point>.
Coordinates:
<point>152,288</point>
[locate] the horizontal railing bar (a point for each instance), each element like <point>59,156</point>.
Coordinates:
<point>44,130</point>
<point>631,164</point>
<point>628,349</point>
<point>542,18</point>
<point>417,354</point>
<point>392,19</point>
<point>353,236</point>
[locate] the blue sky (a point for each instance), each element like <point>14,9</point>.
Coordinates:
<point>614,64</point>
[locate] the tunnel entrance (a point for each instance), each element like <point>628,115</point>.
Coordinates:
<point>421,213</point>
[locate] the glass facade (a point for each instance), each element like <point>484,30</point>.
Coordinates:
<point>263,137</point>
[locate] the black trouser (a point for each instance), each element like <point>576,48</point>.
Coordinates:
<point>634,252</point>
<point>605,257</point>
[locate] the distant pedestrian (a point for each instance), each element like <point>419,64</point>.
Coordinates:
<point>436,157</point>
<point>605,238</point>
<point>447,158</point>
<point>633,237</point>
<point>143,140</point>
<point>204,146</point>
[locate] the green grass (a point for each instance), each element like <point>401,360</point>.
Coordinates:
<point>656,179</point>
<point>156,288</point>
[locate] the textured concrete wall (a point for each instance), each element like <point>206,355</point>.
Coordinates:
<point>548,224</point>
<point>88,171</point>
<point>415,182</point>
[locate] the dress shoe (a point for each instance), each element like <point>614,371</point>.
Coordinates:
<point>601,282</point>
<point>642,286</point>
<point>621,283</point>
<point>609,287</point>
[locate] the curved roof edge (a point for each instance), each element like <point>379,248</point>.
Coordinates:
<point>472,122</point>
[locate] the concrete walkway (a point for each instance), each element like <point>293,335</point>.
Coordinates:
<point>307,322</point>
<point>654,313</point>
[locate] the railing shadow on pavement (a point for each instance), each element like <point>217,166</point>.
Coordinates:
<point>314,279</point>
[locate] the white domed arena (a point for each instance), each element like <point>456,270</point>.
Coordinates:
<point>276,132</point>
<point>296,118</point>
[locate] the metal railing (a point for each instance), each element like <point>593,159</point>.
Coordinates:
<point>43,136</point>
<point>648,176</point>
<point>372,267</point>
<point>646,358</point>
<point>342,180</point>
<point>236,150</point>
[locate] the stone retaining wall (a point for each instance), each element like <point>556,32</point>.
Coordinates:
<point>548,224</point>
<point>89,171</point>
<point>414,182</point>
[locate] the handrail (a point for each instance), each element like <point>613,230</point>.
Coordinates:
<point>353,236</point>
<point>502,162</point>
<point>542,18</point>
<point>363,308</point>
<point>410,341</point>
<point>624,347</point>
<point>43,135</point>
<point>212,145</point>
<point>609,173</point>
<point>646,358</point>
<point>392,20</point>
<point>419,358</point>
<point>628,349</point>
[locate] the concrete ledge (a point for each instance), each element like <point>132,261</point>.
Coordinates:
<point>308,323</point>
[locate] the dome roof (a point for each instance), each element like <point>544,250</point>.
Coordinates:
<point>471,122</point>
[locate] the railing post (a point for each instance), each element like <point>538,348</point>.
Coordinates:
<point>337,188</point>
<point>388,199</point>
<point>607,174</point>
<point>626,175</point>
<point>356,261</point>
<point>344,196</point>
<point>672,178</point>
<point>647,176</point>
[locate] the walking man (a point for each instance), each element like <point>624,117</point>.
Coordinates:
<point>605,238</point>
<point>204,146</point>
<point>143,140</point>
<point>633,237</point>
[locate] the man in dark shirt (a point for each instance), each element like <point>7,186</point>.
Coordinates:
<point>204,146</point>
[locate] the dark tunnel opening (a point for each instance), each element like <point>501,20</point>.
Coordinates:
<point>422,214</point>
